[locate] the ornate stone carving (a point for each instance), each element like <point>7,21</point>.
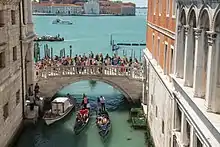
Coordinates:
<point>197,32</point>
<point>186,27</point>
<point>179,28</point>
<point>211,37</point>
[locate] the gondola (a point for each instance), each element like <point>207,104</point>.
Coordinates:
<point>104,130</point>
<point>79,126</point>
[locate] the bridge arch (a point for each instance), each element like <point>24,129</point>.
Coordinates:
<point>109,82</point>
<point>131,89</point>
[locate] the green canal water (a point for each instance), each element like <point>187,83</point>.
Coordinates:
<point>61,133</point>
<point>89,34</point>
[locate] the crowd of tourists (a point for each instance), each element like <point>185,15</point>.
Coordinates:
<point>91,59</point>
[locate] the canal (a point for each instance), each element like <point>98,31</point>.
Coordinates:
<point>86,35</point>
<point>60,134</point>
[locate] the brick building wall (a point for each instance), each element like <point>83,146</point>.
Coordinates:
<point>159,57</point>
<point>161,31</point>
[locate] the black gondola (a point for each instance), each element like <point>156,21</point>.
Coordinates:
<point>104,130</point>
<point>79,126</point>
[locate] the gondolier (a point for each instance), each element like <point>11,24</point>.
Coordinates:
<point>84,101</point>
<point>102,101</point>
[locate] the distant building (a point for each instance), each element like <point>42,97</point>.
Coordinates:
<point>91,7</point>
<point>117,8</point>
<point>59,9</point>
<point>127,10</point>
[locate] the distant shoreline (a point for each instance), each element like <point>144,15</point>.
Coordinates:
<point>88,15</point>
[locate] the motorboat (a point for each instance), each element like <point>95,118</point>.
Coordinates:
<point>49,38</point>
<point>60,107</point>
<point>60,21</point>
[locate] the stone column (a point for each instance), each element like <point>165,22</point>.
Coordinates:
<point>198,66</point>
<point>25,13</point>
<point>183,137</point>
<point>177,64</point>
<point>193,141</point>
<point>29,7</point>
<point>188,61</point>
<point>186,30</point>
<point>177,48</point>
<point>211,71</point>
<point>144,82</point>
<point>181,45</point>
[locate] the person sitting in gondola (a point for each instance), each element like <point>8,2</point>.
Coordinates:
<point>79,117</point>
<point>104,121</point>
<point>84,113</point>
<point>99,120</point>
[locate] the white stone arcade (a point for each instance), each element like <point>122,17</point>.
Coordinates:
<point>127,80</point>
<point>197,73</point>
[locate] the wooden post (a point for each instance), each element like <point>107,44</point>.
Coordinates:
<point>51,52</point>
<point>45,53</point>
<point>71,51</point>
<point>132,53</point>
<point>140,54</point>
<point>64,52</point>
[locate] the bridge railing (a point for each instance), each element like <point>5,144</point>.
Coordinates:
<point>60,71</point>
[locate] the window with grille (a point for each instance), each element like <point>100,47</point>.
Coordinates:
<point>2,22</point>
<point>14,53</point>
<point>18,97</point>
<point>2,59</point>
<point>13,17</point>
<point>5,111</point>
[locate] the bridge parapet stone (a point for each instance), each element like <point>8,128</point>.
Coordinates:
<point>127,80</point>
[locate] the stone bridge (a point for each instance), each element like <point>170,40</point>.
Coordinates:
<point>127,80</point>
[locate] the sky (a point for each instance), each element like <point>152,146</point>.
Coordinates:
<point>139,3</point>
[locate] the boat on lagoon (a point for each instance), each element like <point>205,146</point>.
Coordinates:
<point>49,38</point>
<point>60,21</point>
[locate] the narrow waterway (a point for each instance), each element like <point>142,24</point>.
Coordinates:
<point>61,133</point>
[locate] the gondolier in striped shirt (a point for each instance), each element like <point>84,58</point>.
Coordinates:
<point>102,100</point>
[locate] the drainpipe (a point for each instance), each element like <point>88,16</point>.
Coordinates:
<point>21,52</point>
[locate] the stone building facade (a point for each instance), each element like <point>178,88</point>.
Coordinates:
<point>16,64</point>
<point>159,58</point>
<point>196,80</point>
<point>182,93</point>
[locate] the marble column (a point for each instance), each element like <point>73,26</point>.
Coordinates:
<point>189,56</point>
<point>193,139</point>
<point>181,45</point>
<point>177,64</point>
<point>211,71</point>
<point>183,137</point>
<point>199,63</point>
<point>177,49</point>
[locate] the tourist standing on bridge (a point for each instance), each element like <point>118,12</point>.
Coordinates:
<point>102,100</point>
